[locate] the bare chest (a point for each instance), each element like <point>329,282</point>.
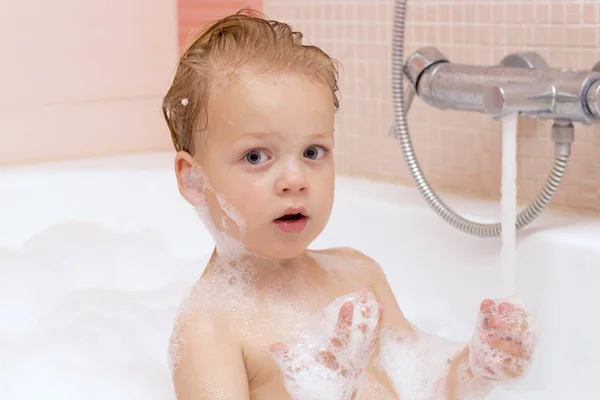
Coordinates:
<point>281,324</point>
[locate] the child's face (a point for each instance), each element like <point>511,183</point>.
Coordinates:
<point>267,149</point>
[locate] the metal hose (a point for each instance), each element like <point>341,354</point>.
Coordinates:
<point>524,218</point>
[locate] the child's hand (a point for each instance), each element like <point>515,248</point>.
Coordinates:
<point>329,363</point>
<point>503,343</point>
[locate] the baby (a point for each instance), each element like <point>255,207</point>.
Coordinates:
<point>251,114</point>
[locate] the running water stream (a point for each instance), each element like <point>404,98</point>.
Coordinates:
<point>509,203</point>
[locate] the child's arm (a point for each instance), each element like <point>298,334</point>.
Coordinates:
<point>207,360</point>
<point>416,362</point>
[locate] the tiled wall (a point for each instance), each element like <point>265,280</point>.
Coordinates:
<point>459,151</point>
<point>194,14</point>
<point>84,78</point>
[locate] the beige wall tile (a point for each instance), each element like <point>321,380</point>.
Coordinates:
<point>459,151</point>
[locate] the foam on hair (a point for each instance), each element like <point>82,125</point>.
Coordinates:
<point>242,42</point>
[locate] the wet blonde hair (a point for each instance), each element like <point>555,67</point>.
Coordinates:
<point>245,40</point>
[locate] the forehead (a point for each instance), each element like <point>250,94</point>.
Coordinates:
<point>287,102</point>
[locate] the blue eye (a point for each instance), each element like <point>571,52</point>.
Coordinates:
<point>255,157</point>
<point>314,152</point>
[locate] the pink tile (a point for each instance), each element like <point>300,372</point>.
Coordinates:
<point>460,152</point>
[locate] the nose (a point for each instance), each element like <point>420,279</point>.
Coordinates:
<point>291,179</point>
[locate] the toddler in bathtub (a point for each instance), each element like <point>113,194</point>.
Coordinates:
<point>251,114</point>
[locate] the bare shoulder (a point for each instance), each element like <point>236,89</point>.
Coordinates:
<point>367,272</point>
<point>204,347</point>
<point>345,252</point>
<point>199,318</point>
<point>355,262</point>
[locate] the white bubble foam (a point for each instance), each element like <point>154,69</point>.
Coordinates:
<point>226,244</point>
<point>90,320</point>
<point>417,362</point>
<point>232,213</point>
<point>490,362</point>
<point>307,378</point>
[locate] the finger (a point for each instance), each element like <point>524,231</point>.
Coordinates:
<point>342,329</point>
<point>328,359</point>
<point>491,373</point>
<point>505,308</point>
<point>366,308</point>
<point>510,348</point>
<point>496,322</point>
<point>379,319</point>
<point>365,311</point>
<point>486,309</point>
<point>377,332</point>
<point>514,324</point>
<point>522,318</point>
<point>517,329</point>
<point>363,294</point>
<point>487,306</point>
<point>512,369</point>
<point>281,355</point>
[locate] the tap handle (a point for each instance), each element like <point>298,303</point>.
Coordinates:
<point>592,99</point>
<point>536,98</point>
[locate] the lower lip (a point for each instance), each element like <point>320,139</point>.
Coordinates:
<point>292,226</point>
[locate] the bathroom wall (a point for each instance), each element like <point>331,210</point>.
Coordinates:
<point>84,78</point>
<point>194,14</point>
<point>459,151</point>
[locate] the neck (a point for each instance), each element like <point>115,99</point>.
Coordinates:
<point>260,266</point>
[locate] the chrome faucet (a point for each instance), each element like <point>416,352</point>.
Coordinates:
<point>523,83</point>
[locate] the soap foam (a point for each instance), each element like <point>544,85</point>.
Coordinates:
<point>226,245</point>
<point>306,376</point>
<point>231,212</point>
<point>79,322</point>
<point>417,362</point>
<point>493,363</point>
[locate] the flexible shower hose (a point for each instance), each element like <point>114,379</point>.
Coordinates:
<point>524,218</point>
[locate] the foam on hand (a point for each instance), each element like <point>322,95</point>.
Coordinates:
<point>313,369</point>
<point>492,363</point>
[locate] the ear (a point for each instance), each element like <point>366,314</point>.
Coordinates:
<point>190,179</point>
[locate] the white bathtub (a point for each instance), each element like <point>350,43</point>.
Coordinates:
<point>95,256</point>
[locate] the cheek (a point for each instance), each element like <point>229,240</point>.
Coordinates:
<point>325,189</point>
<point>249,196</point>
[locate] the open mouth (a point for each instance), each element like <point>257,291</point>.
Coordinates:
<point>293,221</point>
<point>291,217</point>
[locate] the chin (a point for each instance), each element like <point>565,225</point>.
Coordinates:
<point>284,251</point>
